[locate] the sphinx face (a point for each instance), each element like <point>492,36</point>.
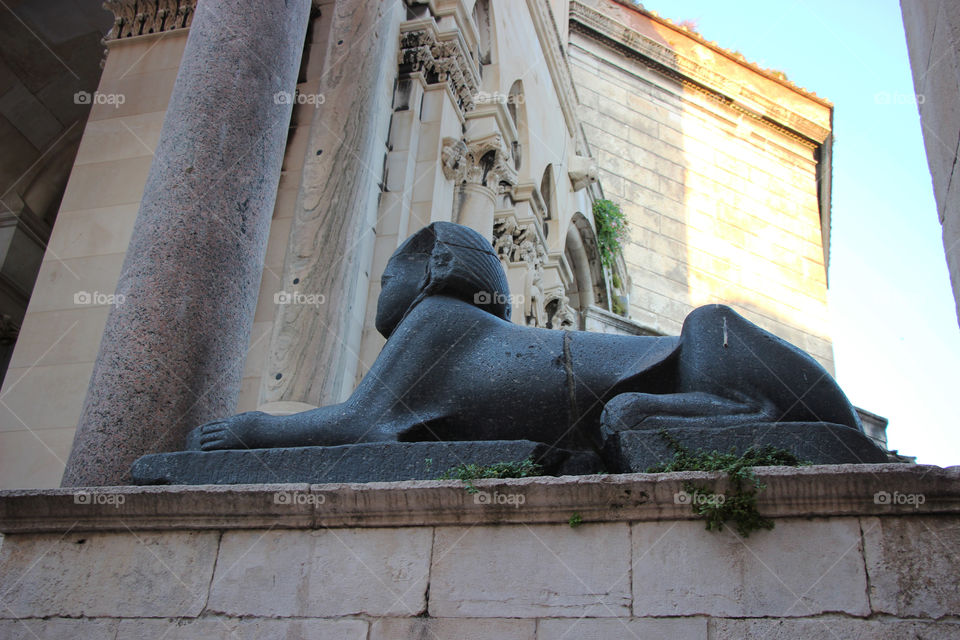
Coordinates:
<point>399,287</point>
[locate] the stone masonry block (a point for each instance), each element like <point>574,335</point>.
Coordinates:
<point>450,628</point>
<point>58,629</point>
<point>800,568</point>
<point>322,573</point>
<point>107,574</point>
<point>907,559</point>
<point>243,629</point>
<point>531,571</point>
<point>640,629</point>
<point>831,628</point>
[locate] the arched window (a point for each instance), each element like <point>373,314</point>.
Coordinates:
<point>548,193</point>
<point>481,18</point>
<point>580,248</point>
<point>518,112</point>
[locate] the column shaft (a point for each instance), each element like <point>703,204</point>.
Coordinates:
<point>172,353</point>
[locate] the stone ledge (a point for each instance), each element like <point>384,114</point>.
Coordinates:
<point>827,490</point>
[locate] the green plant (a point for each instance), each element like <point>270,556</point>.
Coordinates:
<point>739,503</point>
<point>575,520</point>
<point>615,281</point>
<point>617,306</point>
<point>470,472</point>
<point>611,231</point>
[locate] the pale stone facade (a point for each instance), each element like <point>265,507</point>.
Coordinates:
<point>933,43</point>
<point>717,165</point>
<point>427,559</point>
<point>491,113</point>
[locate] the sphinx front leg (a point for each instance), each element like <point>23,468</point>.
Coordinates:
<point>325,426</point>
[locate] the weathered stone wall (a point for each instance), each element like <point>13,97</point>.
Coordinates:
<point>933,43</point>
<point>44,389</point>
<point>722,206</point>
<point>428,559</point>
<point>45,386</point>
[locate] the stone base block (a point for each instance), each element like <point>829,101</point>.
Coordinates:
<point>858,551</point>
<point>816,442</point>
<point>371,462</point>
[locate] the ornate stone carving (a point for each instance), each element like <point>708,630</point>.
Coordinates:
<point>519,244</point>
<point>582,172</point>
<point>486,162</point>
<point>562,315</point>
<point>143,17</point>
<point>441,58</point>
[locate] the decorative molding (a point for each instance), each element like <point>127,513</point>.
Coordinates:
<point>619,324</point>
<point>520,244</point>
<point>564,316</point>
<point>556,59</point>
<point>582,171</point>
<point>792,492</point>
<point>485,161</point>
<point>143,17</point>
<point>441,57</point>
<point>699,76</point>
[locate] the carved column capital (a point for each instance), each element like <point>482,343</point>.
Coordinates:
<point>485,162</point>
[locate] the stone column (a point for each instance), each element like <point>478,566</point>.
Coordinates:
<point>474,204</point>
<point>172,353</point>
<point>479,167</point>
<point>313,356</point>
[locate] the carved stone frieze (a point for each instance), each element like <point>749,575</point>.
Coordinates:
<point>441,58</point>
<point>143,17</point>
<point>520,245</point>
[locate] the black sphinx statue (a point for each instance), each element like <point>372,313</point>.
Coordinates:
<point>454,369</point>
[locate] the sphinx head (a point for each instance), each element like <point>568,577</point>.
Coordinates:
<point>443,258</point>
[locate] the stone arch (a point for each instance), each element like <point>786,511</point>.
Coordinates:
<point>484,23</point>
<point>518,112</point>
<point>588,285</point>
<point>548,191</point>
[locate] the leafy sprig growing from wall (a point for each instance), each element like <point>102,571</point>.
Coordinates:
<point>470,472</point>
<point>611,231</point>
<point>740,501</point>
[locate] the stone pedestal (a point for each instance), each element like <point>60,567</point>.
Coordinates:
<point>174,346</point>
<point>813,442</point>
<point>373,462</point>
<point>858,551</point>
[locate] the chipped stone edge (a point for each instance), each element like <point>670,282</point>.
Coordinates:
<point>815,491</point>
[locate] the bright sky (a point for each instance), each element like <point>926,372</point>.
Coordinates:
<point>895,331</point>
